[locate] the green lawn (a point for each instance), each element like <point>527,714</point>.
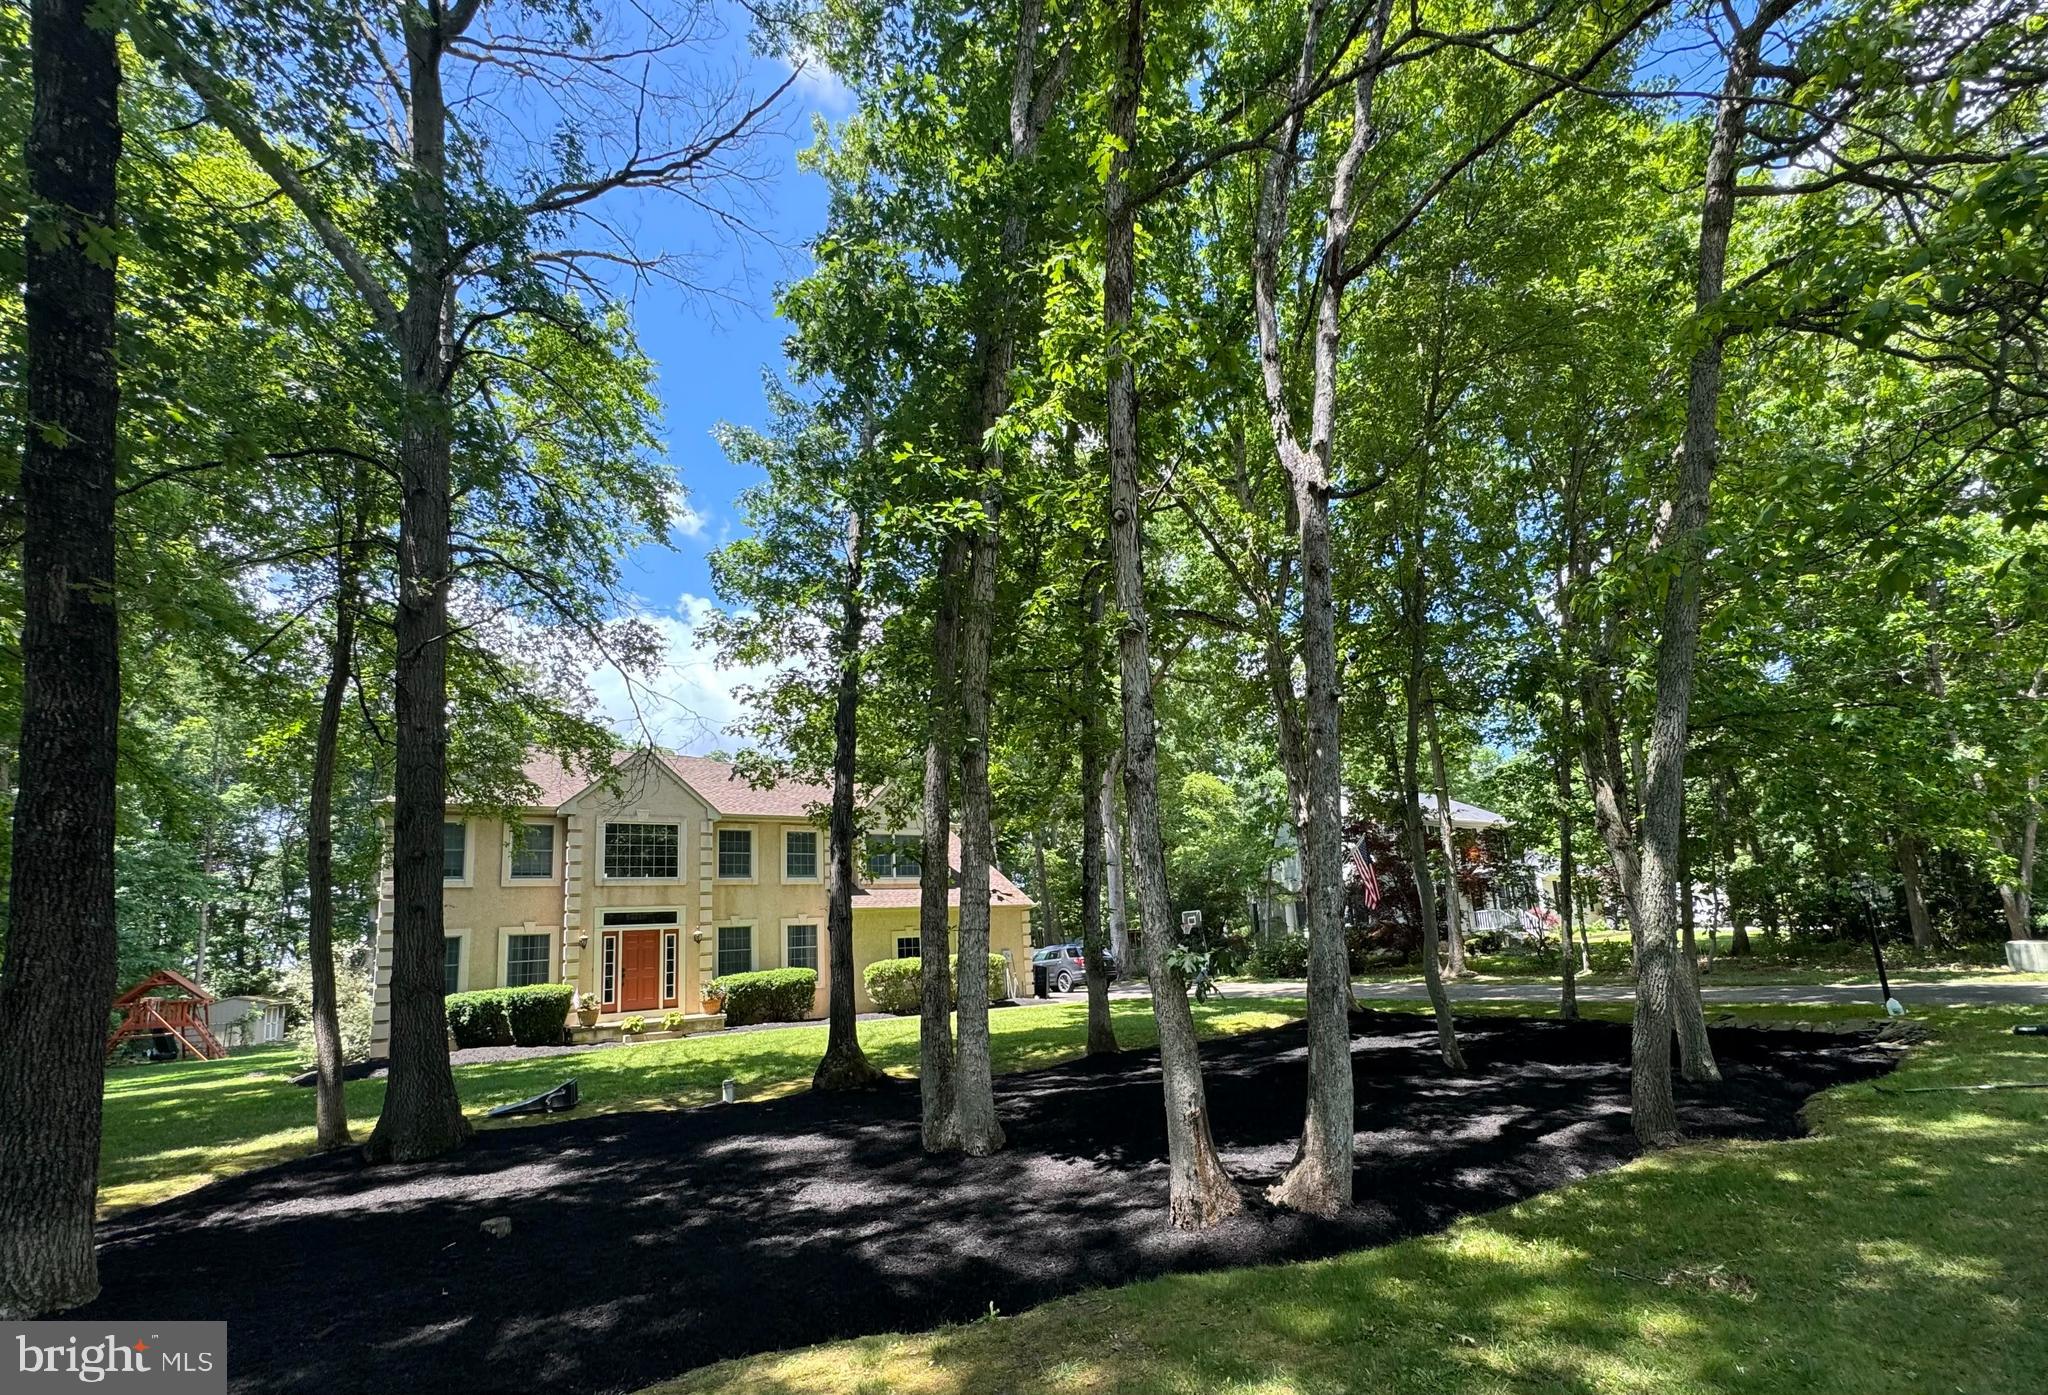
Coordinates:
<point>1795,963</point>
<point>170,1128</point>
<point>1896,1252</point>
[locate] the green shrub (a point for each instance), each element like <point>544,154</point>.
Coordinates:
<point>672,1022</point>
<point>766,995</point>
<point>530,1016</point>
<point>634,1025</point>
<point>1280,956</point>
<point>893,983</point>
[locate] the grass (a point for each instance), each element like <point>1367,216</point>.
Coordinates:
<point>1801,963</point>
<point>170,1128</point>
<point>1896,1251</point>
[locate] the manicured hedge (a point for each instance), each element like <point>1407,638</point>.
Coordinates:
<point>531,1016</point>
<point>766,995</point>
<point>893,983</point>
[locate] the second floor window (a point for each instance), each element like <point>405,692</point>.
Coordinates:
<point>800,854</point>
<point>454,850</point>
<point>736,852</point>
<point>641,851</point>
<point>894,855</point>
<point>533,850</point>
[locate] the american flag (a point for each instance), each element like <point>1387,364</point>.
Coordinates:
<point>1367,878</point>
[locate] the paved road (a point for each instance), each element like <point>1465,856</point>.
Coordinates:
<point>1950,993</point>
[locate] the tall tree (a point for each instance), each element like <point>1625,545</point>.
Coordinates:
<point>1200,1191</point>
<point>475,255</point>
<point>58,977</point>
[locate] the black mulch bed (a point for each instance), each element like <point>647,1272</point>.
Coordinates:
<point>645,1244</point>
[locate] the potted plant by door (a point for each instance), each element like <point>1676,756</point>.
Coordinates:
<point>586,1009</point>
<point>714,998</point>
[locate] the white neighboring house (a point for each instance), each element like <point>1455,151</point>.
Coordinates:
<point>1281,909</point>
<point>248,1020</point>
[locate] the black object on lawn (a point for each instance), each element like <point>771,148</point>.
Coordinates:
<point>563,1096</point>
<point>2031,1029</point>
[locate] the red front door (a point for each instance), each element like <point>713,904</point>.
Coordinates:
<point>639,970</point>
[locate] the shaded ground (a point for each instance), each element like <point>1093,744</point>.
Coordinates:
<point>646,1244</point>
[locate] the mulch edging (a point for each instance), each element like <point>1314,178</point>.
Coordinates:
<point>642,1245</point>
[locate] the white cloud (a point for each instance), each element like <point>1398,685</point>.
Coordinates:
<point>819,87</point>
<point>690,703</point>
<point>686,521</point>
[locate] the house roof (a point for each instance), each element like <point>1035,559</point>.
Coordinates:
<point>1463,815</point>
<point>715,782</point>
<point>727,791</point>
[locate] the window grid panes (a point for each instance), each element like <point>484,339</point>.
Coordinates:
<point>454,850</point>
<point>608,991</point>
<point>735,949</point>
<point>668,968</point>
<point>451,965</point>
<point>735,852</point>
<point>533,850</point>
<point>803,946</point>
<point>894,855</point>
<point>526,960</point>
<point>800,854</point>
<point>907,946</point>
<point>641,851</point>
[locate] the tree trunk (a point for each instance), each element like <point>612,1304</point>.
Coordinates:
<point>422,1114</point>
<point>58,979</point>
<point>330,1104</point>
<point>1561,764</point>
<point>1738,907</point>
<point>975,1130</point>
<point>1095,811</point>
<point>1695,1051</point>
<point>1906,852</point>
<point>934,927</point>
<point>844,1065</point>
<point>1049,918</point>
<point>1405,774</point>
<point>1113,844</point>
<point>2017,895</point>
<point>1200,1191</point>
<point>1655,1115</point>
<point>1446,833</point>
<point>1320,1179</point>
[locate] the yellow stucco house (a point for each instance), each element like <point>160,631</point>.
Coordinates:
<point>643,887</point>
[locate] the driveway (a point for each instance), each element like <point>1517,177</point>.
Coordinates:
<point>1968,992</point>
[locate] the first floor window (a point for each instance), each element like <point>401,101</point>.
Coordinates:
<point>906,946</point>
<point>454,850</point>
<point>668,968</point>
<point>735,949</point>
<point>800,854</point>
<point>894,855</point>
<point>533,850</point>
<point>803,946</point>
<point>641,851</point>
<point>451,965</point>
<point>526,959</point>
<point>608,985</point>
<point>736,852</point>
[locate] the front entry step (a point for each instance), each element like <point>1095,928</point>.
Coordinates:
<point>693,1023</point>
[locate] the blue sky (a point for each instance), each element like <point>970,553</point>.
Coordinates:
<point>710,351</point>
